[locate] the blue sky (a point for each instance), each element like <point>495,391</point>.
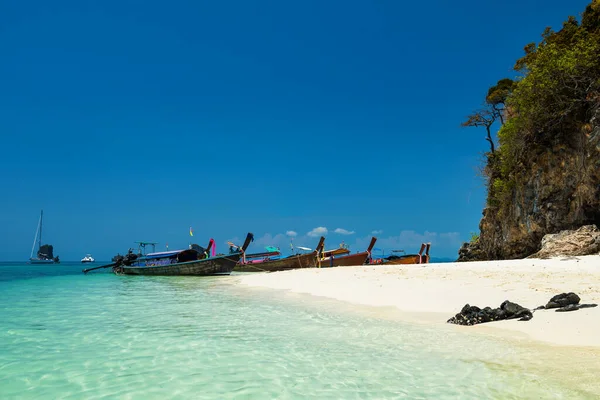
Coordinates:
<point>131,120</point>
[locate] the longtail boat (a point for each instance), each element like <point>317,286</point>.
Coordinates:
<point>331,260</point>
<point>336,252</point>
<point>194,261</point>
<point>404,259</point>
<point>308,260</point>
<point>271,254</point>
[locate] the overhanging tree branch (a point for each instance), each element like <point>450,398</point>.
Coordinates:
<point>486,118</point>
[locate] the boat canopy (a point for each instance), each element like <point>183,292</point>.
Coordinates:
<point>335,252</point>
<point>163,254</point>
<point>264,254</point>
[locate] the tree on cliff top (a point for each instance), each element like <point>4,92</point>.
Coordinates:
<point>497,95</point>
<point>493,109</point>
<point>486,118</point>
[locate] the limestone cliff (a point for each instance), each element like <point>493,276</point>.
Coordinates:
<point>544,177</point>
<point>555,189</point>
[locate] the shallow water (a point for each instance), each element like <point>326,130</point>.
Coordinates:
<point>68,335</point>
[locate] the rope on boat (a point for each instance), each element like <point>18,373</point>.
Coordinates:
<point>229,259</point>
<point>260,269</point>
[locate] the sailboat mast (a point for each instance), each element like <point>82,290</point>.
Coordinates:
<point>41,221</point>
<point>35,238</point>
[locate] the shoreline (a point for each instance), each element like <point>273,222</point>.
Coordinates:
<point>432,293</point>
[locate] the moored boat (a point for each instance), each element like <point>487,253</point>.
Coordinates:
<point>271,254</point>
<point>330,259</point>
<point>88,259</point>
<point>45,253</point>
<point>405,259</point>
<point>341,251</point>
<point>193,261</point>
<point>296,261</point>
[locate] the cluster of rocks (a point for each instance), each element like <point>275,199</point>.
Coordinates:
<point>472,315</point>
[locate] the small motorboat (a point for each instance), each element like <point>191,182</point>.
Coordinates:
<point>87,259</point>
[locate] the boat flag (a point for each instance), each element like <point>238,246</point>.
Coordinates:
<point>191,232</point>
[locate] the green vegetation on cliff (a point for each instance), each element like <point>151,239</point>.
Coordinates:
<point>544,175</point>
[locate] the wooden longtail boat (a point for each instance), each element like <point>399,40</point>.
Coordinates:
<point>257,258</point>
<point>349,259</point>
<point>337,252</point>
<point>409,258</point>
<point>308,260</point>
<point>181,262</point>
<point>403,259</point>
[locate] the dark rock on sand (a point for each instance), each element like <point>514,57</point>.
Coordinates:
<point>565,302</point>
<point>513,310</point>
<point>562,300</point>
<point>569,307</point>
<point>472,315</point>
<point>574,307</point>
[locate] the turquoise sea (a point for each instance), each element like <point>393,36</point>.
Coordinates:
<point>67,335</point>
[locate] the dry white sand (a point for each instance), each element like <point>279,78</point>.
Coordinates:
<point>433,293</point>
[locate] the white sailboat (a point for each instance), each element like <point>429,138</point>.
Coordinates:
<point>44,254</point>
<point>88,259</point>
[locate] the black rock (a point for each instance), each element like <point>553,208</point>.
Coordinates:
<point>574,307</point>
<point>471,315</point>
<point>569,307</point>
<point>524,315</point>
<point>499,314</point>
<point>562,300</point>
<point>510,307</point>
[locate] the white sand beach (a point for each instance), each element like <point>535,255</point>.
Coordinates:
<point>432,293</point>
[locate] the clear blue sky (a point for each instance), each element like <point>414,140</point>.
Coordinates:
<point>134,120</point>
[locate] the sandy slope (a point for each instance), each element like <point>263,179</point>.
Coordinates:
<point>436,292</point>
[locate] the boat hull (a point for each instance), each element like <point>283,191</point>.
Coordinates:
<point>38,261</point>
<point>205,267</point>
<point>346,261</point>
<point>283,264</point>
<point>409,259</point>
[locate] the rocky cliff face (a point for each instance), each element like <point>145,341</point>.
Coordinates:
<point>557,188</point>
<point>544,176</point>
